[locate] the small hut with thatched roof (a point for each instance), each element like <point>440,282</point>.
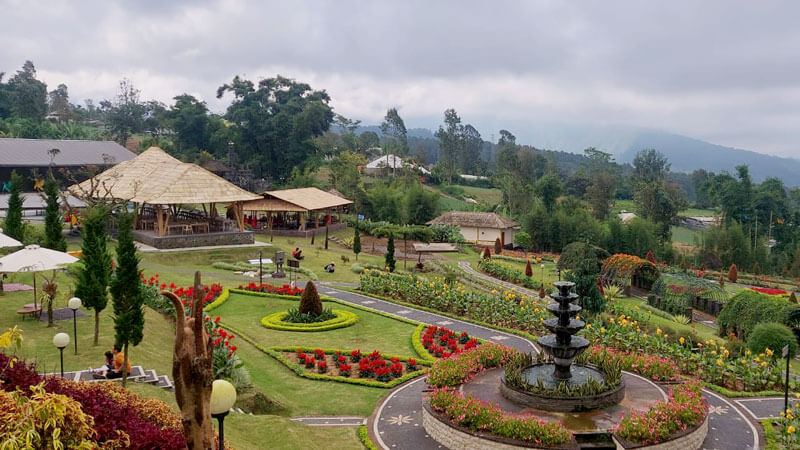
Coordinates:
<point>296,212</point>
<point>176,202</point>
<point>480,227</point>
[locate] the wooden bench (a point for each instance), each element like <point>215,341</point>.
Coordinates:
<point>29,310</point>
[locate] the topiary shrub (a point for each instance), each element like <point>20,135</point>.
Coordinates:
<point>773,336</point>
<point>733,274</point>
<point>528,269</point>
<point>793,298</point>
<point>498,247</point>
<point>310,303</point>
<point>486,253</point>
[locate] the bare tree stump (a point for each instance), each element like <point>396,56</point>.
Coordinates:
<point>192,370</point>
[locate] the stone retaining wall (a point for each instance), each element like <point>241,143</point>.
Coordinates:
<point>691,440</point>
<point>195,240</point>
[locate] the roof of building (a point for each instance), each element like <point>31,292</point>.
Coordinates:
<point>34,200</point>
<point>393,162</point>
<point>302,199</point>
<point>36,152</point>
<point>626,217</point>
<point>156,178</point>
<point>435,247</point>
<point>474,219</point>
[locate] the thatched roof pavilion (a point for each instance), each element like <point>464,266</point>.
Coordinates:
<point>157,179</point>
<point>308,202</point>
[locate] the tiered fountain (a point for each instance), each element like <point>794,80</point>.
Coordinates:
<point>563,347</point>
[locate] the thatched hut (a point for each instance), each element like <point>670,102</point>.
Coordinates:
<point>296,212</point>
<point>480,227</point>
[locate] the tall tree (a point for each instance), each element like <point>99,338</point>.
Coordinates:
<point>94,272</point>
<point>53,235</point>
<point>656,199</point>
<point>389,258</point>
<point>13,224</point>
<point>126,290</point>
<point>470,159</point>
<point>603,177</point>
<point>344,174</point>
<point>451,142</point>
<point>347,131</point>
<point>28,94</point>
<point>188,117</point>
<point>368,140</point>
<point>548,188</point>
<point>59,103</point>
<point>276,122</point>
<point>394,133</point>
<point>126,115</point>
<point>356,240</point>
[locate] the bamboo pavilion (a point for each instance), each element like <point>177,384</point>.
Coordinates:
<point>296,212</point>
<point>176,202</point>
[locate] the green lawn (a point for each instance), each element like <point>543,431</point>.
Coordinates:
<point>485,196</point>
<point>684,235</point>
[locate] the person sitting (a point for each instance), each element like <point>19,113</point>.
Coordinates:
<point>108,366</point>
<point>119,360</point>
<point>297,253</point>
<point>330,268</point>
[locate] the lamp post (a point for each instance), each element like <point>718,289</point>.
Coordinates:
<point>74,304</point>
<point>223,396</point>
<point>61,340</point>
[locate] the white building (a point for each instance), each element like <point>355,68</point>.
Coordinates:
<point>389,164</point>
<point>480,227</point>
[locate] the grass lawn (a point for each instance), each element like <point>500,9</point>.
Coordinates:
<point>684,235</point>
<point>371,332</point>
<point>550,271</point>
<point>283,432</point>
<point>485,196</point>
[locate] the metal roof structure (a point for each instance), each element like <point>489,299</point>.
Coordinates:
<point>37,153</point>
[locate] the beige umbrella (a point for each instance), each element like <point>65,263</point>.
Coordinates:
<point>6,241</point>
<point>34,259</point>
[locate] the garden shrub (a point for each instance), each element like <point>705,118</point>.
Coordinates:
<point>310,303</point>
<point>528,269</point>
<point>773,336</point>
<point>460,368</point>
<point>749,308</point>
<point>684,409</point>
<point>498,247</point>
<point>295,316</point>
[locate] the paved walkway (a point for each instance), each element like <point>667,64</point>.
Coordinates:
<point>397,423</point>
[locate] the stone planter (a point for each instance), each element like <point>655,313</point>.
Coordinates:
<point>455,437</point>
<point>691,439</point>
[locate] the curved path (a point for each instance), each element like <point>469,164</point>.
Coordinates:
<point>397,423</point>
<point>466,267</point>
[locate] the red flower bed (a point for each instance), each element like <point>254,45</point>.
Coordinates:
<point>443,343</point>
<point>355,365</point>
<point>271,289</point>
<point>769,291</point>
<point>121,419</point>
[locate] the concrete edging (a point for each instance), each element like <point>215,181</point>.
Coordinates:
<point>691,439</point>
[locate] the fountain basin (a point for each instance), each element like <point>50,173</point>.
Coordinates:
<point>580,375</point>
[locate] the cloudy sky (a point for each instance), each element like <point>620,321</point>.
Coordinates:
<point>722,71</point>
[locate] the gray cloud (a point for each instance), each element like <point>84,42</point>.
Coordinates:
<point>717,70</point>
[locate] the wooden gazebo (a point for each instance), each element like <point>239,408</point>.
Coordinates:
<point>163,189</point>
<point>301,207</point>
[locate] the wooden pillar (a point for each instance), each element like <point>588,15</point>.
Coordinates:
<point>270,220</point>
<point>159,220</point>
<point>238,212</point>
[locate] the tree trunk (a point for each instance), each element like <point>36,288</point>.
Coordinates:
<point>96,327</point>
<point>192,370</point>
<point>125,365</point>
<point>50,312</point>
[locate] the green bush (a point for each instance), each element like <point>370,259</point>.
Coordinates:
<point>773,336</point>
<point>310,303</point>
<point>747,309</point>
<point>295,316</point>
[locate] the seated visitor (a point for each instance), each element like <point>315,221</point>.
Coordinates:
<point>119,360</point>
<point>297,253</point>
<point>105,368</point>
<point>330,268</point>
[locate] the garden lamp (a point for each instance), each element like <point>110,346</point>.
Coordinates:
<point>74,304</point>
<point>61,340</point>
<point>542,273</point>
<point>223,396</point>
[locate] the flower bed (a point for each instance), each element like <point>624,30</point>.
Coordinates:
<point>461,368</point>
<point>788,427</point>
<point>272,289</point>
<point>478,416</point>
<point>441,342</point>
<point>650,366</point>
<point>506,310</point>
<point>684,409</point>
<point>343,319</point>
<point>349,366</point>
<point>121,419</point>
<point>506,273</point>
<point>769,291</point>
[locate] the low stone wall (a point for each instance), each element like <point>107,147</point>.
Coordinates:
<point>195,240</point>
<point>688,440</point>
<point>305,233</point>
<point>561,404</point>
<point>461,439</point>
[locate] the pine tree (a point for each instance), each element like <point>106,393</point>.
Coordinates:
<point>528,269</point>
<point>390,262</point>
<point>94,273</point>
<point>498,247</point>
<point>126,290</point>
<point>356,241</point>
<point>733,274</point>
<point>13,225</point>
<point>53,236</point>
<point>310,303</point>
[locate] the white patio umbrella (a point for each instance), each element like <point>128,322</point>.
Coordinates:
<point>34,259</point>
<point>6,241</point>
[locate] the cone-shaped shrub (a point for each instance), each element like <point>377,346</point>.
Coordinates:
<point>486,253</point>
<point>733,274</point>
<point>310,303</point>
<point>528,269</point>
<point>498,247</point>
<point>390,261</point>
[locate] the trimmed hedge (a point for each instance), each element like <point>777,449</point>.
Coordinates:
<point>363,436</point>
<point>749,308</point>
<point>343,319</point>
<point>773,336</point>
<point>416,342</point>
<point>223,297</point>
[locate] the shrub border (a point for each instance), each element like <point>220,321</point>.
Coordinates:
<point>363,436</point>
<point>223,297</point>
<point>343,319</point>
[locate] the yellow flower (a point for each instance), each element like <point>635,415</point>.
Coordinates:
<point>682,340</point>
<point>769,351</point>
<point>666,336</point>
<point>719,362</point>
<point>791,429</point>
<point>636,308</point>
<point>763,364</point>
<point>797,395</point>
<point>744,361</point>
<point>589,327</point>
<point>611,320</point>
<point>602,330</point>
<point>645,336</point>
<point>700,345</point>
<point>713,352</point>
<point>658,331</point>
<point>748,353</point>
